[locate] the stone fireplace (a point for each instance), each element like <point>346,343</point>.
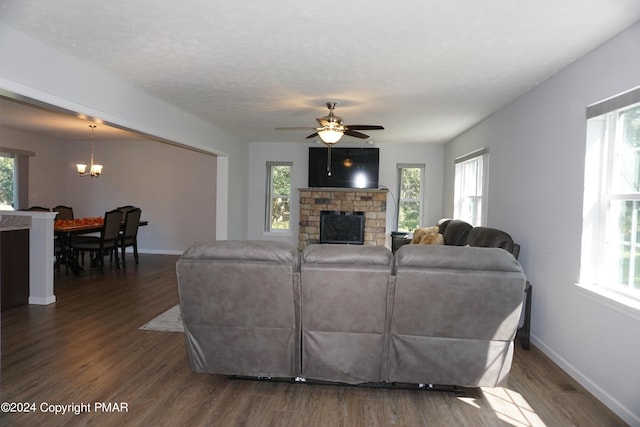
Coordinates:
<point>370,203</point>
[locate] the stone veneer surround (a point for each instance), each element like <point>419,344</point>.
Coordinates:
<point>373,202</point>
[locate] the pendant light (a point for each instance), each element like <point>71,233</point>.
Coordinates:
<point>94,169</point>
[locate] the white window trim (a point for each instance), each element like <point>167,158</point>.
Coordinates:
<point>598,175</point>
<point>421,199</point>
<point>484,153</point>
<point>268,196</point>
<point>612,298</point>
<point>21,177</point>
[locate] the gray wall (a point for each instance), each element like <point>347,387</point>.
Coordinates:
<point>537,151</point>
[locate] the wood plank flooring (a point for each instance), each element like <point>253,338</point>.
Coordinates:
<point>87,348</point>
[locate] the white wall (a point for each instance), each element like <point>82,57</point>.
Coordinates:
<point>259,155</point>
<point>390,155</point>
<point>175,187</point>
<point>537,151</point>
<point>432,156</point>
<point>33,70</point>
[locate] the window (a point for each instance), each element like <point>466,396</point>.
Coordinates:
<point>278,206</point>
<point>14,178</point>
<point>7,182</point>
<point>611,212</point>
<point>470,187</point>
<point>410,196</point>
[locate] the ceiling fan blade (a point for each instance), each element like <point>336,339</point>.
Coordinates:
<point>295,128</point>
<point>333,123</point>
<point>365,127</point>
<point>355,134</point>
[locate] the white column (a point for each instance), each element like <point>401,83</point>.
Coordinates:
<point>222,197</point>
<point>41,258</point>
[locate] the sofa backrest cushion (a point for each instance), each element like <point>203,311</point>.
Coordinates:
<point>347,254</point>
<point>455,232</point>
<point>491,238</point>
<point>240,307</point>
<point>455,314</point>
<point>457,292</point>
<point>345,309</point>
<point>246,250</point>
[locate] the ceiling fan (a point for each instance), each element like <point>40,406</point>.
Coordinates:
<point>332,128</point>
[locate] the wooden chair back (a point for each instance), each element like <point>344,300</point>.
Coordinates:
<point>64,212</point>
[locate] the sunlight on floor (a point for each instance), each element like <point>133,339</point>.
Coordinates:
<point>508,406</point>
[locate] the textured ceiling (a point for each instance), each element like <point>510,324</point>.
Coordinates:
<point>425,70</point>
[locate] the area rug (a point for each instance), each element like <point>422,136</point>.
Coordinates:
<point>169,321</point>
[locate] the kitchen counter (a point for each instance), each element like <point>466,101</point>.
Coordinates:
<point>13,227</point>
<point>14,266</point>
<point>39,226</point>
<point>11,221</point>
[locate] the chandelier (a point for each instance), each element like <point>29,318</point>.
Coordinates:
<point>94,169</point>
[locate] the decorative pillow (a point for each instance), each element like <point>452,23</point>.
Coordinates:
<point>433,239</point>
<point>427,236</point>
<point>417,236</point>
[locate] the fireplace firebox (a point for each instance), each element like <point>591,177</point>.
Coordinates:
<point>342,227</point>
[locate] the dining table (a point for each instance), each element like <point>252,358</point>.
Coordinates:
<point>65,229</point>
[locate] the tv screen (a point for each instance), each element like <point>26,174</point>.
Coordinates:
<point>350,167</point>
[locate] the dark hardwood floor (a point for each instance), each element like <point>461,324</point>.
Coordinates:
<point>88,348</point>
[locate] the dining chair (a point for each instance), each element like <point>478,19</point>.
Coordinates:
<point>107,243</point>
<point>58,253</point>
<point>126,208</point>
<point>36,209</point>
<point>64,212</point>
<point>129,234</point>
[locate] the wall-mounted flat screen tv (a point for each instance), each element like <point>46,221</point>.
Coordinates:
<point>350,167</point>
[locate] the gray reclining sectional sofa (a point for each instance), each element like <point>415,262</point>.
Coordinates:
<point>444,315</point>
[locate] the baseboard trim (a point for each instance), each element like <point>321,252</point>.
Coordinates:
<point>621,410</point>
<point>42,301</point>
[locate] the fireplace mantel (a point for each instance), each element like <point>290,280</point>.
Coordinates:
<point>371,201</point>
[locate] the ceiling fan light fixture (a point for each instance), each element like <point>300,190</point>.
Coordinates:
<point>330,136</point>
